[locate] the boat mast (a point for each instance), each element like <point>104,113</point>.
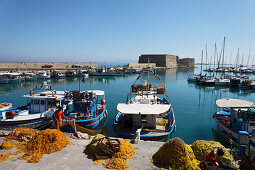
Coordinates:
<point>252,61</point>
<point>201,64</point>
<point>248,58</point>
<point>223,49</point>
<point>206,57</point>
<point>215,49</point>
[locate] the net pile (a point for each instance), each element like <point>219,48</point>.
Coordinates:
<point>201,148</point>
<point>118,160</point>
<point>162,122</point>
<point>34,143</point>
<point>176,154</point>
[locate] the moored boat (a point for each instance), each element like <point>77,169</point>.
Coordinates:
<point>147,113</point>
<point>235,115</point>
<point>88,108</point>
<point>36,114</point>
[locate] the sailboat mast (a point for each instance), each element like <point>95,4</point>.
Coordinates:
<point>215,49</point>
<point>248,57</point>
<point>206,56</point>
<point>223,49</point>
<point>201,63</point>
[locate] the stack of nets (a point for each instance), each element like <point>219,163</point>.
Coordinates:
<point>175,154</point>
<point>34,147</point>
<point>162,122</point>
<point>201,148</point>
<point>118,159</point>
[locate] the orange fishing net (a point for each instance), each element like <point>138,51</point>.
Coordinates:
<point>118,160</point>
<point>36,143</point>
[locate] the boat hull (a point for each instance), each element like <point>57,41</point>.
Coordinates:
<point>92,123</point>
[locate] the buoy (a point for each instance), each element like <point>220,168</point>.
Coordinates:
<point>54,92</point>
<point>103,101</point>
<point>31,92</point>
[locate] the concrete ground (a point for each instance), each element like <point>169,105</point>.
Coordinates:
<point>72,157</point>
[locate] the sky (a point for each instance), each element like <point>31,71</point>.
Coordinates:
<point>121,30</point>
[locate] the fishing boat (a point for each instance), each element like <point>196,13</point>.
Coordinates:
<point>36,113</point>
<point>223,81</point>
<point>14,77</point>
<point>88,108</point>
<point>193,78</point>
<point>147,113</point>
<point>235,115</point>
<point>3,79</point>
<point>30,77</point>
<point>5,106</point>
<point>42,75</point>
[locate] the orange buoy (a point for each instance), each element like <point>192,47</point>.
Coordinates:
<point>54,92</point>
<point>31,92</point>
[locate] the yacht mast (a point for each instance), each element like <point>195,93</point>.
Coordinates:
<point>223,49</point>
<point>248,57</point>
<point>201,64</point>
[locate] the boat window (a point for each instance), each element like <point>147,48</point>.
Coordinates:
<point>42,102</point>
<point>32,101</point>
<point>49,102</point>
<point>252,152</point>
<point>36,101</point>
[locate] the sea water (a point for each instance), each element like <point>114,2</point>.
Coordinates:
<point>193,105</point>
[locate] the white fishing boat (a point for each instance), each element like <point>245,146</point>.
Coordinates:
<point>42,75</point>
<point>147,114</point>
<point>235,115</point>
<point>193,78</point>
<point>14,77</point>
<point>37,113</point>
<point>30,77</point>
<point>222,81</point>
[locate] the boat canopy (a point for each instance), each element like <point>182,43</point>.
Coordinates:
<point>142,108</point>
<point>97,92</point>
<point>234,103</point>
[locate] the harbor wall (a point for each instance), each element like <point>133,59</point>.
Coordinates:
<point>142,65</point>
<point>38,65</point>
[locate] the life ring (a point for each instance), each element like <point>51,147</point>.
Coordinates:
<point>239,113</point>
<point>31,92</point>
<point>103,101</point>
<point>54,92</point>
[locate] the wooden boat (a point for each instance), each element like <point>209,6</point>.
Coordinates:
<point>37,113</point>
<point>5,106</point>
<point>147,114</point>
<point>88,107</point>
<point>235,115</point>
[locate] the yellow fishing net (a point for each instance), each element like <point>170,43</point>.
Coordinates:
<point>34,143</point>
<point>201,148</point>
<point>176,154</point>
<point>118,160</point>
<point>162,122</point>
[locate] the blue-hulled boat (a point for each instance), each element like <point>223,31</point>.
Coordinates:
<point>36,114</point>
<point>147,114</point>
<point>88,107</point>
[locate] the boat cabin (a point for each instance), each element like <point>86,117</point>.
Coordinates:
<point>142,115</point>
<point>43,101</point>
<point>86,103</point>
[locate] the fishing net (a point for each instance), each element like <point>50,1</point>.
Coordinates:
<point>34,143</point>
<point>162,122</point>
<point>175,154</point>
<point>118,159</point>
<point>201,148</point>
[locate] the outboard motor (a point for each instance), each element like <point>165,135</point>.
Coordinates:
<point>243,140</point>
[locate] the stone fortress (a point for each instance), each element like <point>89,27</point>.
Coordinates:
<point>167,61</point>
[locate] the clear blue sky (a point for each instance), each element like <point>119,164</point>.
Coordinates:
<point>121,30</point>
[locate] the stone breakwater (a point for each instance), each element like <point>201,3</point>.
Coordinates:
<point>6,66</point>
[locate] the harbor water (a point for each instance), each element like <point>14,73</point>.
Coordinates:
<point>193,105</point>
